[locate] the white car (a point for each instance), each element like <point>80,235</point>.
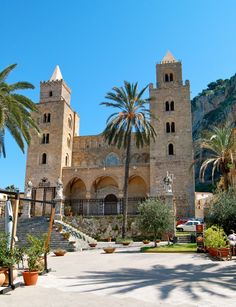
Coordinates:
<point>188,226</point>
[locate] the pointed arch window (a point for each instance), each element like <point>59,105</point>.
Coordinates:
<point>172,105</point>
<point>171,77</point>
<point>44,158</point>
<point>46,117</point>
<point>166,78</point>
<point>45,139</point>
<point>170,149</point>
<point>167,127</point>
<point>167,106</point>
<point>172,127</point>
<point>66,160</point>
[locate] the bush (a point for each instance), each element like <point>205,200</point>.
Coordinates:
<point>154,218</point>
<point>215,237</point>
<point>223,210</point>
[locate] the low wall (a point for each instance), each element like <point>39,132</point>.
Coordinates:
<point>101,228</point>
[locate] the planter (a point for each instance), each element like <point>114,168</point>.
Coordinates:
<point>109,250</point>
<point>30,278</point>
<point>213,251</point>
<point>2,277</point>
<point>223,252</point>
<point>126,243</point>
<point>14,273</point>
<point>158,241</point>
<point>92,244</point>
<point>146,241</point>
<point>59,252</point>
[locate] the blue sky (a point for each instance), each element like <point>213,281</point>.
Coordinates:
<point>100,43</point>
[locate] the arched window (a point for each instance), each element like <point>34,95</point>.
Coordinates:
<point>112,159</point>
<point>45,139</point>
<point>168,127</point>
<point>50,94</point>
<point>171,77</point>
<point>172,127</point>
<point>44,158</point>
<point>69,140</point>
<point>70,121</point>
<point>170,149</point>
<point>167,106</point>
<point>46,117</point>
<point>166,78</point>
<point>172,106</point>
<point>66,160</point>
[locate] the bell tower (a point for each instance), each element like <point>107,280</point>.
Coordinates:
<point>173,150</point>
<point>52,150</point>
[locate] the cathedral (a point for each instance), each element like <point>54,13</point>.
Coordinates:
<point>92,171</point>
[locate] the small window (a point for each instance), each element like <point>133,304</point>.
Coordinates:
<point>171,149</point>
<point>168,127</point>
<point>172,106</point>
<point>47,118</point>
<point>66,160</point>
<point>45,139</point>
<point>44,158</point>
<point>172,127</point>
<point>167,106</point>
<point>50,94</point>
<point>171,77</point>
<point>69,140</point>
<point>166,78</point>
<point>70,121</point>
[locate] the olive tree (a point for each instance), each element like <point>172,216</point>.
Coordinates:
<point>222,210</point>
<point>154,217</point>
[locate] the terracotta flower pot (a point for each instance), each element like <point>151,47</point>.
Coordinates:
<point>92,244</point>
<point>59,252</point>
<point>146,241</point>
<point>109,250</point>
<point>125,243</point>
<point>213,251</point>
<point>14,273</point>
<point>2,277</point>
<point>30,278</point>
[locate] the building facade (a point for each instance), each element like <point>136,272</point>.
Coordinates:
<point>92,171</point>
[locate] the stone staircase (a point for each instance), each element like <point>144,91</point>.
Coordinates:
<point>38,226</point>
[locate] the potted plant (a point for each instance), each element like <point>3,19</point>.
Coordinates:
<point>214,238</point>
<point>93,244</point>
<point>8,258</point>
<point>127,241</point>
<point>59,252</point>
<point>33,253</point>
<point>146,241</point>
<point>109,249</point>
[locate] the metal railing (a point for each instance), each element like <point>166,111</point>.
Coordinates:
<point>100,207</point>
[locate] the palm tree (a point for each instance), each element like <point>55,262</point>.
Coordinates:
<point>15,111</point>
<point>133,116</point>
<point>219,148</point>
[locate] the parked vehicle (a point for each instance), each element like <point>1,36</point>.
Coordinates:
<point>188,226</point>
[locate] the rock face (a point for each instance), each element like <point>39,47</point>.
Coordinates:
<point>214,104</point>
<point>211,107</point>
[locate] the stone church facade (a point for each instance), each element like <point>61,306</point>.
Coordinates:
<point>92,172</point>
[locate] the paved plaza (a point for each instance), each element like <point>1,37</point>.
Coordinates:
<point>130,278</point>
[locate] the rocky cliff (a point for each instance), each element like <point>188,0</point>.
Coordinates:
<point>214,104</point>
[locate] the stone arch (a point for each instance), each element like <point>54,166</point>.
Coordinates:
<point>110,204</point>
<point>75,189</point>
<point>137,186</point>
<point>104,185</point>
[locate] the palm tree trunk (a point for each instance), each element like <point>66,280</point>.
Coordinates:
<point>226,181</point>
<point>125,203</point>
